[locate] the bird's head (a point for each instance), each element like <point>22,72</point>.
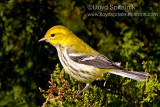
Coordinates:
<point>57,35</point>
<point>62,36</point>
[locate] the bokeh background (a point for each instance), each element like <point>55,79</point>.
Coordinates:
<point>26,64</point>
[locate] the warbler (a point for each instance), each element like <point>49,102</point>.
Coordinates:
<point>81,61</point>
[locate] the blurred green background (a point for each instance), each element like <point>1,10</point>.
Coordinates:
<point>26,64</point>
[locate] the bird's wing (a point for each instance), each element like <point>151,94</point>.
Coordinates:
<point>99,60</point>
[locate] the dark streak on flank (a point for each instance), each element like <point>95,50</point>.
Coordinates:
<point>72,69</point>
<point>64,60</point>
<point>86,72</point>
<point>73,72</point>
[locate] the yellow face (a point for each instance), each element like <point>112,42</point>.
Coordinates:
<point>56,35</point>
<point>63,36</point>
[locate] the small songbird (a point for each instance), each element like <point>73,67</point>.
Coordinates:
<point>81,61</point>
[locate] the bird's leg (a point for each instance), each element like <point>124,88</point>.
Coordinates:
<point>87,85</point>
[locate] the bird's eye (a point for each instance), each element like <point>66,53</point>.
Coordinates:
<point>52,35</point>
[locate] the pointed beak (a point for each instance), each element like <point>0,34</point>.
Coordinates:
<point>43,39</point>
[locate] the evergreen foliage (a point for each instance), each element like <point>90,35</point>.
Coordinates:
<point>27,65</point>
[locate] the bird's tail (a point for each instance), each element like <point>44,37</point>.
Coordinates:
<point>140,76</point>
